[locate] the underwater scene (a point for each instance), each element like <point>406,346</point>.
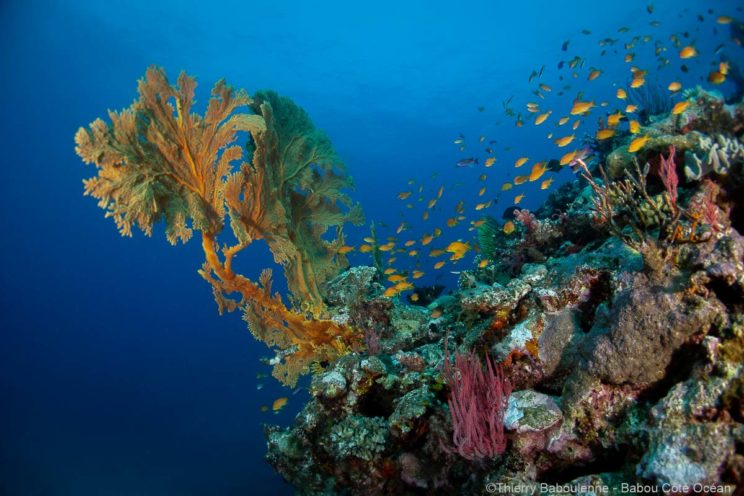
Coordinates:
<point>398,248</point>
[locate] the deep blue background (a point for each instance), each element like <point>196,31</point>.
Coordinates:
<point>117,376</point>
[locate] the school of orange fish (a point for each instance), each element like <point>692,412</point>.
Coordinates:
<point>398,248</point>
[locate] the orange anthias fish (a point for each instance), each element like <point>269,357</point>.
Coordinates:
<point>614,119</point>
<point>538,170</point>
<point>688,52</point>
<point>621,94</point>
<point>674,86</point>
<point>458,249</point>
<point>637,144</point>
<point>635,127</point>
<point>568,158</point>
<point>716,77</point>
<point>509,227</point>
<point>541,118</point>
<point>521,161</point>
<point>637,82</point>
<point>518,198</point>
<point>520,180</point>
<point>680,107</point>
<point>564,141</point>
<point>279,404</point>
<point>604,134</point>
<point>580,108</point>
<point>546,183</point>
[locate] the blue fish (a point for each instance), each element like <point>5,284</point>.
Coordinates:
<point>467,162</point>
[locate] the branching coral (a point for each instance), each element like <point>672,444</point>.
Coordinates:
<point>627,203</point>
<point>159,161</point>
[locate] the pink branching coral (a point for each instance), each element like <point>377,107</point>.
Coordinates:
<point>477,400</point>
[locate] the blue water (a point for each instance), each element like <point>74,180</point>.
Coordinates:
<point>117,376</point>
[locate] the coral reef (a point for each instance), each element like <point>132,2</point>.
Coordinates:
<point>616,312</point>
<point>158,160</point>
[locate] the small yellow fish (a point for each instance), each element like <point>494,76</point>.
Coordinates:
<point>483,263</point>
<point>568,158</point>
<point>629,109</point>
<point>409,243</point>
<point>604,134</point>
<point>482,177</point>
<point>451,222</point>
<point>458,249</point>
<point>580,108</point>
<point>564,141</point>
<point>345,249</point>
<point>390,292</point>
<point>425,216</point>
<point>518,198</point>
<point>520,180</point>
<point>365,248</point>
<point>404,195</point>
<point>386,246</point>
<point>680,107</point>
<point>614,119</point>
<point>546,183</point>
<point>279,403</point>
<point>637,82</point>
<point>506,186</point>
<point>563,120</point>
<point>538,170</point>
<point>403,286</point>
<point>621,94</point>
<point>413,253</point>
<point>688,52</point>
<point>637,144</point>
<point>545,87</point>
<point>417,274</point>
<point>478,223</point>
<point>436,313</point>
<point>594,74</point>
<point>439,264</point>
<point>482,191</point>
<point>635,127</point>
<point>437,232</point>
<point>674,86</point>
<point>481,206</point>
<point>521,161</point>
<point>724,19</point>
<point>509,227</point>
<point>716,77</point>
<point>574,126</point>
<point>541,118</point>
<point>428,238</point>
<point>460,207</point>
<point>431,203</point>
<point>490,161</point>
<point>390,270</point>
<point>415,297</point>
<point>723,68</point>
<point>396,278</point>
<point>629,57</point>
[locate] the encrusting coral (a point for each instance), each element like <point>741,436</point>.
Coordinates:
<point>159,161</point>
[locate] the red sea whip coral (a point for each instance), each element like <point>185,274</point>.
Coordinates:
<point>477,403</point>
